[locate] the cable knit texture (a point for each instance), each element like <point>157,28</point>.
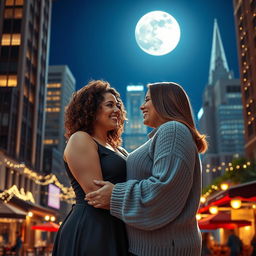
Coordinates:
<point>161,197</point>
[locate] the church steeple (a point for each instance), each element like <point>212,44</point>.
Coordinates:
<point>218,66</point>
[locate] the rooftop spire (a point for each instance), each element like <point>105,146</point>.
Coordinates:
<point>218,66</point>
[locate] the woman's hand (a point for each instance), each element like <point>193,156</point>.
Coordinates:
<point>101,197</point>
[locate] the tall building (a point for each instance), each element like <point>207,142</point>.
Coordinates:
<point>135,133</point>
<point>24,34</point>
<point>60,87</point>
<point>220,117</point>
<point>24,44</point>
<point>245,18</point>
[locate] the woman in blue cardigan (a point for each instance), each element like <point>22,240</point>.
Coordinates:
<point>161,196</point>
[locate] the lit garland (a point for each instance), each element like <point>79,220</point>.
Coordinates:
<point>49,179</point>
<point>67,192</point>
<point>227,166</point>
<point>8,194</point>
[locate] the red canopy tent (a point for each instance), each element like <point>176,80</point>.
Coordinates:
<point>245,192</point>
<point>47,226</point>
<point>221,220</point>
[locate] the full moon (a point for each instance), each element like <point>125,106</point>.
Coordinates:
<point>157,33</point>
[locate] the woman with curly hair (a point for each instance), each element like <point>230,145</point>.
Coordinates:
<point>94,121</point>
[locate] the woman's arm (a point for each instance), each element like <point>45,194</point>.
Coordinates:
<point>81,155</point>
<point>152,203</point>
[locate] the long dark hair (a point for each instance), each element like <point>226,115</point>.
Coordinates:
<point>172,103</point>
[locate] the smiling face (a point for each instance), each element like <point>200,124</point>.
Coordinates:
<point>108,115</point>
<point>150,116</point>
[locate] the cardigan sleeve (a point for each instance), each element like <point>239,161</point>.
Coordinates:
<point>152,203</point>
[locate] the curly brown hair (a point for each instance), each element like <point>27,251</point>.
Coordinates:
<point>81,111</point>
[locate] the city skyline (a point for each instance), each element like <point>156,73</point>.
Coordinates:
<point>99,43</point>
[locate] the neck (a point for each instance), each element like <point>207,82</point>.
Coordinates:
<point>100,136</point>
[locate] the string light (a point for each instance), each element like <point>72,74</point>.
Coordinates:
<point>67,194</point>
<point>226,166</point>
<point>8,194</point>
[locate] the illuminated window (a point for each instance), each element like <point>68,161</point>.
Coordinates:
<point>31,97</point>
<point>18,13</point>
<point>50,141</point>
<point>8,13</point>
<point>54,98</point>
<point>25,90</point>
<point>16,39</point>
<point>19,2</point>
<point>28,54</point>
<point>54,85</point>
<point>52,109</point>
<point>53,93</point>
<point>7,40</point>
<point>9,2</point>
<point>10,81</point>
<point>3,81</point>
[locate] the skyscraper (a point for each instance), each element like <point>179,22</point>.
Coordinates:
<point>24,34</point>
<point>24,44</point>
<point>60,87</point>
<point>245,17</point>
<point>135,133</point>
<point>220,117</point>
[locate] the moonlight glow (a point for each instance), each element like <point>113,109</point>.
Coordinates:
<point>157,33</point>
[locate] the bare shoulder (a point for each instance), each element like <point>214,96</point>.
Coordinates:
<point>79,142</point>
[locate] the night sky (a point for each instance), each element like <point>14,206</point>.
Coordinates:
<point>95,38</point>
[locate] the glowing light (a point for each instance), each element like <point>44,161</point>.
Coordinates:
<point>203,199</point>
<point>30,214</point>
<point>224,186</point>
<point>213,209</point>
<point>47,217</point>
<point>247,228</point>
<point>53,218</point>
<point>157,33</point>
<point>198,216</point>
<point>134,88</point>
<point>235,203</point>
<point>200,113</point>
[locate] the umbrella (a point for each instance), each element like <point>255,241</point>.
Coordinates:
<point>221,220</point>
<point>47,226</point>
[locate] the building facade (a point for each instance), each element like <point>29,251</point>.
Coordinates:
<point>135,133</point>
<point>24,47</point>
<point>24,33</point>
<point>245,18</point>
<point>60,87</point>
<point>220,117</point>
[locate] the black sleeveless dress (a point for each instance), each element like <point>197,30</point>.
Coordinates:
<point>88,231</point>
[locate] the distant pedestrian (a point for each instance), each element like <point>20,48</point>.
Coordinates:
<point>206,244</point>
<point>235,244</point>
<point>253,244</point>
<point>18,244</point>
